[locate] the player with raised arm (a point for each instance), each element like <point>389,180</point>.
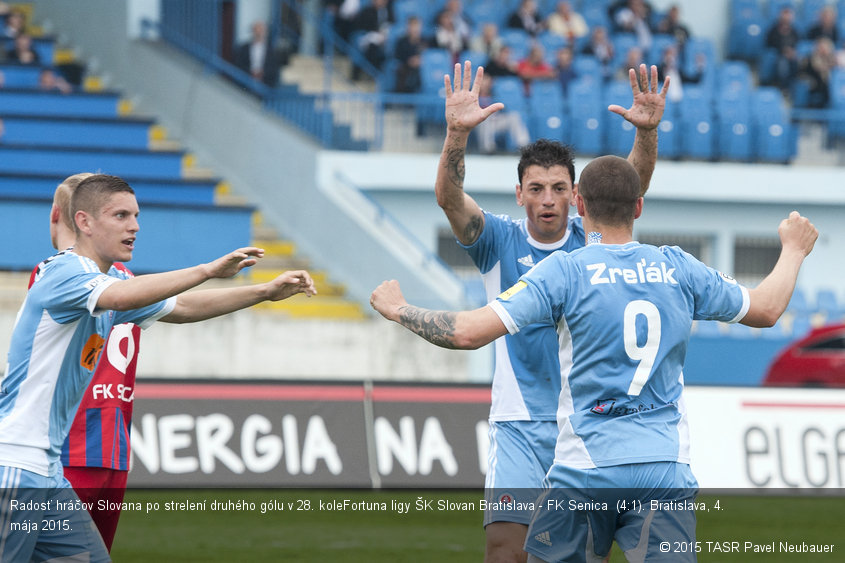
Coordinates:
<point>75,300</point>
<point>623,313</point>
<point>526,380</point>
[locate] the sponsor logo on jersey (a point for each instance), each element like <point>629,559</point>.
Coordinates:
<point>643,273</point>
<point>607,407</point>
<point>526,261</point>
<point>97,281</point>
<point>514,289</point>
<point>91,351</point>
<point>727,278</point>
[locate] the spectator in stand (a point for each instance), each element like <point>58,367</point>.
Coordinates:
<point>534,67</point>
<point>22,51</point>
<point>502,121</point>
<point>783,38</point>
<point>501,64</point>
<point>601,47</point>
<point>526,18</point>
<point>345,13</point>
<point>671,25</point>
<point>635,17</point>
<point>825,26</point>
<point>565,70</point>
<point>446,36</point>
<point>408,49</point>
<point>816,69</point>
<point>460,21</point>
<point>633,59</point>
<point>488,41</point>
<point>670,66</point>
<point>50,81</point>
<point>15,24</point>
<point>567,23</point>
<point>258,57</point>
<point>374,20</point>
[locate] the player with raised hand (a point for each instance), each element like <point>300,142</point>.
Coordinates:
<point>526,379</point>
<point>623,312</point>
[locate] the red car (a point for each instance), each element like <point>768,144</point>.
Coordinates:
<point>817,360</point>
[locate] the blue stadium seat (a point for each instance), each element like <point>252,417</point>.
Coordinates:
<point>622,42</point>
<point>587,65</point>
<point>510,90</point>
<point>808,14</point>
<point>434,64</point>
<point>475,57</point>
<point>745,10</point>
<point>551,42</point>
<point>697,126</point>
<point>595,16</point>
<point>619,133</point>
<point>483,12</point>
<point>734,75</point>
<point>798,304</point>
<point>801,325</point>
<point>518,40</point>
<point>547,117</point>
<point>773,8</point>
<point>587,115</point>
<point>836,125</point>
<point>122,133</point>
<point>404,9</point>
<point>747,31</point>
<point>827,303</point>
<point>694,47</point>
<point>659,43</point>
<point>669,132</point>
<point>775,138</point>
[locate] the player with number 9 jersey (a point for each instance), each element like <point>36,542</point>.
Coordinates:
<point>623,315</point>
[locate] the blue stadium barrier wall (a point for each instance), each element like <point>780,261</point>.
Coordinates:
<point>152,190</point>
<point>106,133</point>
<point>170,237</point>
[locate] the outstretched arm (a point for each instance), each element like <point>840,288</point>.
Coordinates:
<point>465,330</point>
<point>145,290</point>
<point>770,299</point>
<point>206,304</point>
<point>463,113</point>
<point>645,114</point>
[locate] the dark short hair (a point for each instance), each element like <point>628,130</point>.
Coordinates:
<point>610,188</point>
<point>546,153</point>
<point>92,193</point>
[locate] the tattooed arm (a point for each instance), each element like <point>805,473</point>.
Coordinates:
<point>645,114</point>
<point>463,113</point>
<point>465,330</point>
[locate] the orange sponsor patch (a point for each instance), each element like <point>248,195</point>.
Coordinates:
<point>91,351</point>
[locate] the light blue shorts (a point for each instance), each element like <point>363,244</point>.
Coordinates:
<point>41,518</point>
<point>642,506</point>
<point>520,455</point>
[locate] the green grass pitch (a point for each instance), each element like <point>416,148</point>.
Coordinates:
<point>306,525</point>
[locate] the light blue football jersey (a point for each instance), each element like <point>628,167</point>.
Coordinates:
<point>56,342</point>
<point>526,379</point>
<point>623,315</point>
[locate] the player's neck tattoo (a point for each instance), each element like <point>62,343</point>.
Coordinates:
<point>438,327</point>
<point>593,237</point>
